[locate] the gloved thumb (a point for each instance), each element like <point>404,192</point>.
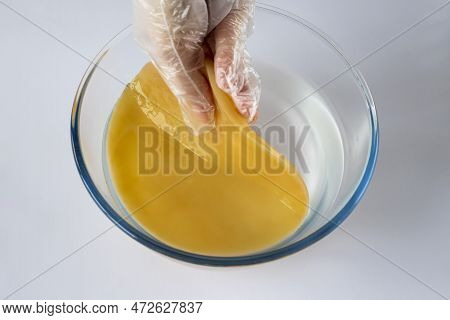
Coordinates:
<point>173,32</point>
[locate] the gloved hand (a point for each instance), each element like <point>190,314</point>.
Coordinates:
<point>173,32</point>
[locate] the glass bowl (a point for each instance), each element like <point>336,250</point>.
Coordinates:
<point>307,85</point>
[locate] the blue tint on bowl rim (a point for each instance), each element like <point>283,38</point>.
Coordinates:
<point>226,261</point>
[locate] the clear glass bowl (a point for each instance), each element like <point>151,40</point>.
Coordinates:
<point>307,83</point>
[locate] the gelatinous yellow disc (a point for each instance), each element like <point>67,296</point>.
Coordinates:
<point>225,192</point>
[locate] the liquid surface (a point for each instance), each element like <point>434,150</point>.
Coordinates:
<point>217,206</point>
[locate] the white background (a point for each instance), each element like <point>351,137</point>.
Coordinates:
<point>47,213</point>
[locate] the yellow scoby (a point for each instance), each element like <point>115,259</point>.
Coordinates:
<point>225,192</point>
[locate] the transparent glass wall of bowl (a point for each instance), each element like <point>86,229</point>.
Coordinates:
<point>293,64</point>
<point>116,66</point>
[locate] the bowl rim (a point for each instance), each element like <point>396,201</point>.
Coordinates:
<point>185,256</point>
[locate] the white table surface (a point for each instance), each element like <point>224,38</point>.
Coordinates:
<point>47,213</point>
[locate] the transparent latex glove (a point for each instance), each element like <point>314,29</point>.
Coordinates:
<point>173,32</point>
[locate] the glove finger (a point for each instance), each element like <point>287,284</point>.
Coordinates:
<point>229,38</point>
<point>248,96</point>
<point>234,73</point>
<point>196,101</point>
<point>172,32</point>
